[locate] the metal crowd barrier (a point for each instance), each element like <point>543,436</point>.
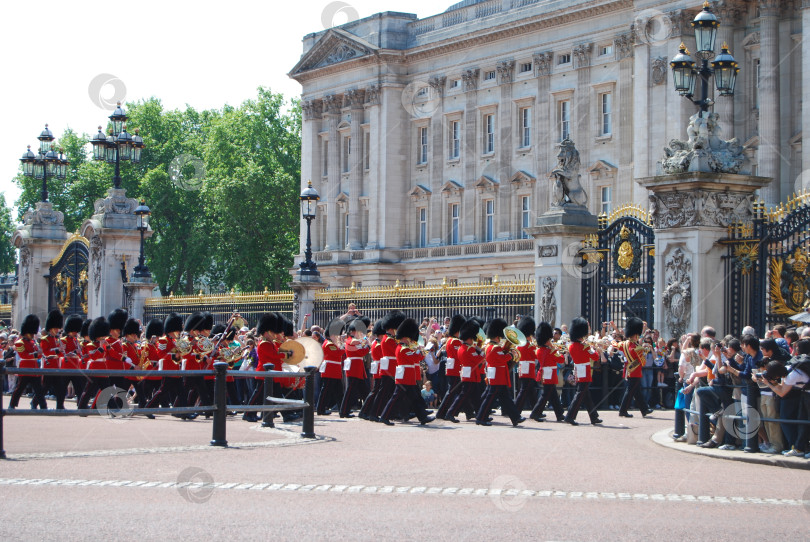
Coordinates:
<point>220,407</point>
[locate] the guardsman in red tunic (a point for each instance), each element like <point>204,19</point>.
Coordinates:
<point>331,369</point>
<point>635,357</point>
<point>194,386</point>
<point>71,359</point>
<point>582,357</point>
<point>284,387</point>
<point>267,353</point>
<point>354,365</point>
<point>527,367</point>
<point>148,361</point>
<point>470,358</point>
<point>498,376</point>
<point>376,355</point>
<point>98,331</point>
<point>548,360</point>
<point>115,356</point>
<point>28,353</point>
<point>407,373</point>
<point>390,323</point>
<point>452,368</point>
<point>170,387</point>
<point>51,348</point>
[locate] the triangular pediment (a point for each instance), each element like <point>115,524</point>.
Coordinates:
<point>522,178</point>
<point>452,188</point>
<point>335,46</point>
<point>485,183</point>
<point>603,170</point>
<point>342,199</point>
<point>419,191</point>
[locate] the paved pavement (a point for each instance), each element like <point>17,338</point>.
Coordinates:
<point>87,478</point>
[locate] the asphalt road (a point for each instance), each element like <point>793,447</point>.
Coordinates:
<point>94,478</point>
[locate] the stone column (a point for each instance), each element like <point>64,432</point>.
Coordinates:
<point>468,201</point>
<point>543,120</point>
<point>311,162</point>
<point>375,202</point>
<point>304,299</point>
<point>139,289</point>
<point>437,160</point>
<point>691,213</point>
<point>505,210</point>
<point>39,240</point>
<point>729,15</point>
<point>769,110</point>
<point>331,109</point>
<point>805,55</point>
<point>624,49</point>
<point>642,131</point>
<point>355,97</point>
<point>583,120</point>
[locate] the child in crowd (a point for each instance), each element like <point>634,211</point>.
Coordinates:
<point>428,394</point>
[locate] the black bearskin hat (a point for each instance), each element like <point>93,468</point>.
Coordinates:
<point>73,323</point>
<point>280,323</point>
<point>393,319</point>
<point>132,327</point>
<point>526,326</point>
<point>478,320</point>
<point>335,327</point>
<point>217,329</point>
<point>154,328</point>
<point>579,329</point>
<point>378,328</point>
<point>85,328</point>
<point>289,329</point>
<point>207,321</point>
<point>358,324</point>
<point>54,320</point>
<point>30,325</point>
<point>455,324</point>
<point>193,322</point>
<point>117,319</point>
<point>634,326</point>
<point>469,330</point>
<point>267,322</point>
<point>99,328</point>
<point>544,333</point>
<point>173,322</point>
<point>408,329</point>
<point>495,329</point>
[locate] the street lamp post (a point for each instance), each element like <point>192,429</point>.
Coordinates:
<point>143,213</point>
<point>723,67</point>
<point>118,145</point>
<point>309,203</point>
<point>46,163</point>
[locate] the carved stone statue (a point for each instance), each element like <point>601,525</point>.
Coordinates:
<point>96,257</point>
<point>705,150</point>
<point>25,268</point>
<point>567,189</point>
<point>548,301</point>
<point>677,298</point>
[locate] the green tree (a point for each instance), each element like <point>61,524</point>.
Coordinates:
<point>8,256</point>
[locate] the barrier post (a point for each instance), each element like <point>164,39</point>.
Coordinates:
<point>267,417</point>
<point>308,424</point>
<point>2,412</point>
<point>680,423</point>
<point>218,432</point>
<point>751,440</point>
<point>703,421</point>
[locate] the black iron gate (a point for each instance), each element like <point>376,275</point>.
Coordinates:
<point>618,269</point>
<point>67,280</point>
<point>767,267</point>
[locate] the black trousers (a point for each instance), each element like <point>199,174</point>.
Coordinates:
<point>453,389</point>
<point>355,389</point>
<point>196,384</point>
<point>145,389</point>
<point>36,385</point>
<point>582,397</point>
<point>331,390</point>
<point>368,404</point>
<point>384,395</point>
<point>548,395</point>
<point>405,399</point>
<point>170,391</point>
<point>504,396</point>
<point>465,399</point>
<point>633,391</point>
<point>92,388</point>
<point>526,393</point>
<point>62,386</point>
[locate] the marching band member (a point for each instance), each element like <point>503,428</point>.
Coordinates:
<point>452,368</point>
<point>72,359</point>
<point>267,353</point>
<point>98,330</point>
<point>114,355</point>
<point>28,352</point>
<point>292,385</point>
<point>582,357</point>
<point>390,323</point>
<point>171,387</point>
<point>376,355</point>
<point>51,348</point>
<point>331,368</point>
<point>191,362</point>
<point>406,375</point>
<point>635,357</point>
<point>498,377</point>
<point>131,332</point>
<point>354,366</point>
<point>527,367</point>
<point>549,358</point>
<point>470,358</point>
<point>149,385</point>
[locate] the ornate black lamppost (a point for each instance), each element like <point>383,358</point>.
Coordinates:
<point>46,163</point>
<point>143,213</point>
<point>309,203</point>
<point>118,145</point>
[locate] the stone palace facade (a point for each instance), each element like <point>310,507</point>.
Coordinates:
<point>431,140</point>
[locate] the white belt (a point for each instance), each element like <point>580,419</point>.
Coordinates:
<point>355,359</point>
<point>329,361</point>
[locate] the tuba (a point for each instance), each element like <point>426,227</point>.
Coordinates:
<point>513,338</point>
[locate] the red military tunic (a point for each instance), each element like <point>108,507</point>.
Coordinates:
<point>632,350</point>
<point>73,354</point>
<point>408,362</point>
<point>132,352</point>
<point>167,351</point>
<point>154,358</point>
<point>332,361</point>
<point>93,354</point>
<point>388,361</point>
<point>548,359</point>
<point>114,355</point>
<point>192,362</point>
<point>582,357</point>
<point>50,352</point>
<point>452,366</point>
<point>376,355</point>
<point>498,366</point>
<point>267,352</point>
<point>470,358</point>
<point>527,368</point>
<point>354,365</point>
<point>28,352</point>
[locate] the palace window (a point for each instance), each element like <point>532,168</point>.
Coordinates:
<point>525,215</point>
<point>455,83</point>
<point>565,119</point>
<point>489,133</point>
<point>525,126</point>
<point>422,153</point>
<point>489,219</point>
<point>606,50</point>
<point>454,223</point>
<point>605,193</point>
<point>325,158</point>
<point>525,67</point>
<point>455,139</point>
<point>422,227</point>
<point>489,76</point>
<point>347,153</point>
<point>564,58</point>
<point>606,114</point>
